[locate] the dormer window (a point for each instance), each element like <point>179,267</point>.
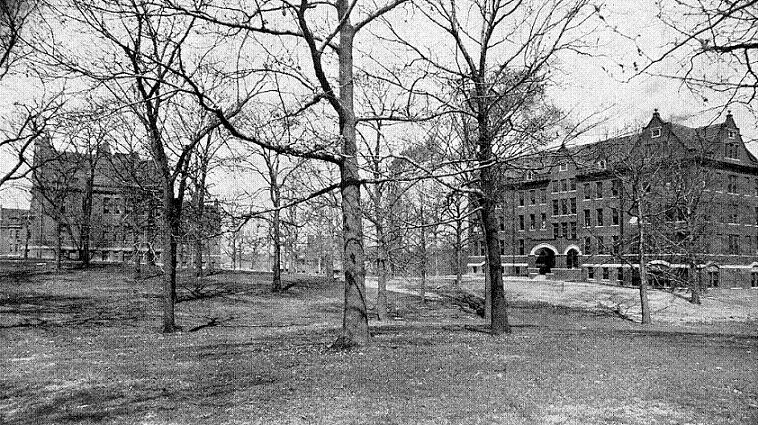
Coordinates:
<point>731,134</point>
<point>530,175</point>
<point>562,167</point>
<point>601,164</point>
<point>655,132</point>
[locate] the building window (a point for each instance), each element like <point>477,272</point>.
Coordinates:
<point>543,196</point>
<point>587,245</point>
<point>587,191</point>
<point>562,167</point>
<point>606,273</point>
<point>543,218</point>
<point>731,186</point>
<point>590,272</point>
<point>521,222</point>
<point>599,218</point>
<point>502,247</point>
<point>756,216</point>
<point>572,259</point>
<point>532,197</point>
<point>587,218</point>
<point>556,211</point>
<point>754,279</point>
<point>601,164</point>
<point>615,216</point>
<point>731,134</point>
<point>555,186</point>
<point>732,151</point>
<point>734,244</point>
<point>600,245</point>
<point>713,277</point>
<point>572,184</point>
<point>564,206</point>
<point>573,230</point>
<point>501,223</point>
<point>530,175</point>
<point>616,245</point>
<point>615,185</point>
<point>520,198</point>
<point>620,275</point>
<point>573,205</point>
<point>564,228</point>
<point>521,248</point>
<point>532,221</point>
<point>599,190</point>
<point>564,185</point>
<point>655,132</point>
<point>756,187</point>
<point>556,231</point>
<point>106,205</point>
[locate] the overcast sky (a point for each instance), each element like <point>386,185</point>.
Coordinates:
<point>587,85</point>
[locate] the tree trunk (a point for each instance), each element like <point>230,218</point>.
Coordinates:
<point>499,315</point>
<point>644,304</point>
<point>381,271</point>
<point>58,246</point>
<point>458,253</point>
<point>169,258</point>
<point>276,268</point>
<point>330,251</point>
<point>28,234</point>
<point>422,291</point>
<point>487,291</point>
<point>695,284</point>
<point>86,234</point>
<point>355,318</point>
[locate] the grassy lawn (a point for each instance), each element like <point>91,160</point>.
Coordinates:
<point>83,347</point>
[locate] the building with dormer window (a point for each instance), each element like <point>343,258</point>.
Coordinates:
<point>574,216</point>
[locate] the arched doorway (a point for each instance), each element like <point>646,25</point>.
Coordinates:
<point>545,260</point>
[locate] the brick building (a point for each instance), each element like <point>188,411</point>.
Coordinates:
<point>571,213</point>
<point>13,232</point>
<point>124,209</point>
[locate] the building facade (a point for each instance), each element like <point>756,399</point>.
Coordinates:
<point>572,213</point>
<point>14,237</point>
<point>106,206</point>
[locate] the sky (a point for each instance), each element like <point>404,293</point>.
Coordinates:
<point>586,85</point>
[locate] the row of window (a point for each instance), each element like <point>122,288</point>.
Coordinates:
<point>564,208</point>
<point>567,185</point>
<point>532,197</point>
<point>732,184</point>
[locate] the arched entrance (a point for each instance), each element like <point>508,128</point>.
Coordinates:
<point>545,260</point>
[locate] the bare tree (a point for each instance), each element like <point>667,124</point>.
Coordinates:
<point>713,50</point>
<point>139,44</point>
<point>503,51</point>
<point>325,37</point>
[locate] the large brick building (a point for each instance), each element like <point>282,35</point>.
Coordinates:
<point>571,213</point>
<point>125,212</point>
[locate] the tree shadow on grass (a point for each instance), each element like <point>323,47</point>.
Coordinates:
<point>43,310</point>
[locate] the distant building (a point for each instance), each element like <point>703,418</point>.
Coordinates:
<point>13,232</point>
<point>565,213</point>
<point>122,194</point>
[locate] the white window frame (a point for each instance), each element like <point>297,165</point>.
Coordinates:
<point>655,132</point>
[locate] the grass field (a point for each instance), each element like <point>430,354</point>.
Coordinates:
<point>83,347</point>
